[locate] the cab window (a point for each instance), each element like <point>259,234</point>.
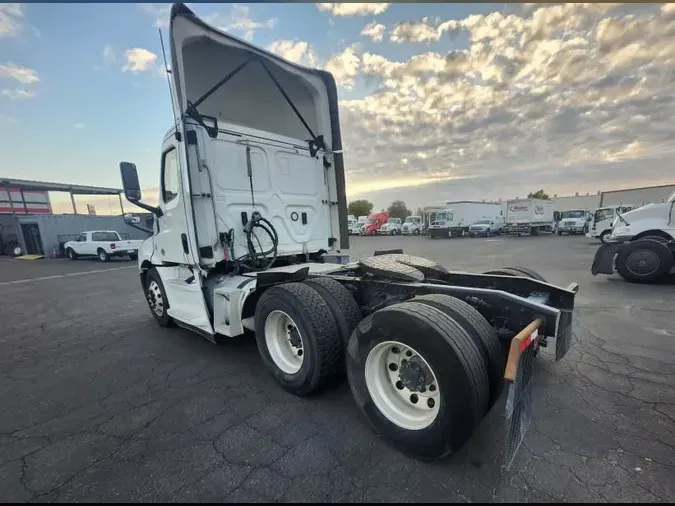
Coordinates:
<point>170,175</point>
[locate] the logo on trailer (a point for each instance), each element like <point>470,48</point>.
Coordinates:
<point>538,209</point>
<point>518,207</point>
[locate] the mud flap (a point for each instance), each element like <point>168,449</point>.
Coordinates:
<point>603,262</point>
<point>518,377</point>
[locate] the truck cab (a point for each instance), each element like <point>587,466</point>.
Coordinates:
<point>574,221</point>
<point>603,218</point>
<point>412,225</point>
<point>374,222</point>
<point>392,227</point>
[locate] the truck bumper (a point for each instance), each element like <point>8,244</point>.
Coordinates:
<point>603,262</point>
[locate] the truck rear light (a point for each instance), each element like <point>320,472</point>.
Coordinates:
<point>112,245</point>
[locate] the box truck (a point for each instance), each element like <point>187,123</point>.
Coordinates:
<point>529,216</point>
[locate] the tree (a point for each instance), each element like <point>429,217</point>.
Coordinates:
<point>398,209</point>
<point>360,207</point>
<point>538,195</point>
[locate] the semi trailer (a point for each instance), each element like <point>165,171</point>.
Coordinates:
<point>251,235</point>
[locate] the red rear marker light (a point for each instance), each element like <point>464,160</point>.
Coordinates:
<point>112,245</point>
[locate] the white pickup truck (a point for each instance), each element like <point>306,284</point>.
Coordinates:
<point>103,244</point>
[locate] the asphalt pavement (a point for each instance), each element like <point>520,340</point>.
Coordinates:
<point>100,404</point>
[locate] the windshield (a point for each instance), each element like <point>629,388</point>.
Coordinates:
<point>393,220</point>
<point>413,219</point>
<point>483,222</point>
<point>444,216</point>
<point>574,214</point>
<point>371,221</point>
<point>604,214</point>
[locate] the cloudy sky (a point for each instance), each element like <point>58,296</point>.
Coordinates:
<point>438,101</point>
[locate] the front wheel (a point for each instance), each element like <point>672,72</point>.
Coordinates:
<point>644,261</point>
<point>71,254</point>
<point>157,299</point>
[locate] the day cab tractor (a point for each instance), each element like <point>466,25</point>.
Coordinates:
<point>251,235</point>
<point>640,245</point>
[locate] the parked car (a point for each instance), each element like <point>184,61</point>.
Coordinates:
<point>102,243</point>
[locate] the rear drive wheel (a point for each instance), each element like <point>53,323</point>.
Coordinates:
<point>482,333</point>
<point>157,299</point>
<point>71,254</point>
<point>644,261</point>
<point>298,337</point>
<point>341,303</point>
<point>102,255</point>
<point>418,378</point>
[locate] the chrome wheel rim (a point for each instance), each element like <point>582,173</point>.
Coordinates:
<point>155,298</point>
<point>402,385</point>
<point>284,342</point>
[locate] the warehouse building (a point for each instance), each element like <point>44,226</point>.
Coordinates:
<point>27,220</point>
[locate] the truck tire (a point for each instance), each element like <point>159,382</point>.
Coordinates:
<point>102,255</point>
<point>342,304</point>
<point>480,331</point>
<point>71,254</point>
<point>644,261</point>
<point>157,299</point>
<point>418,378</point>
<point>604,235</point>
<point>298,338</point>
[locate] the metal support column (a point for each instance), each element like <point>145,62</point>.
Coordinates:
<point>72,200</point>
<point>119,195</point>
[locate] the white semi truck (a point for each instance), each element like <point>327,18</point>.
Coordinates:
<point>251,234</point>
<point>640,245</point>
<point>457,217</point>
<point>412,226</point>
<point>529,216</point>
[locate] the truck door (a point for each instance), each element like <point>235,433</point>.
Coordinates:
<point>171,242</point>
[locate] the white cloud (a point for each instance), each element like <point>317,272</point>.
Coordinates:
<point>239,21</point>
<point>11,19</point>
<point>22,74</point>
<point>160,13</point>
<point>345,66</point>
<point>348,9</point>
<point>375,31</point>
<point>7,120</point>
<point>573,97</point>
<point>78,126</point>
<point>108,54</point>
<point>426,31</point>
<point>17,93</point>
<point>139,60</point>
<point>295,51</point>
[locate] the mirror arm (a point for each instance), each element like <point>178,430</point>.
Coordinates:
<point>154,210</point>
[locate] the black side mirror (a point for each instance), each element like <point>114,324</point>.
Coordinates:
<point>132,188</point>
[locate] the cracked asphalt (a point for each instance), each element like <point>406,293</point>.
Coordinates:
<point>100,404</point>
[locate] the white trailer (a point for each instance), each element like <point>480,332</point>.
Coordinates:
<point>251,234</point>
<point>529,216</point>
<point>457,217</point>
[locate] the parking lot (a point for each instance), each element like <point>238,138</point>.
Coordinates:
<point>100,404</point>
